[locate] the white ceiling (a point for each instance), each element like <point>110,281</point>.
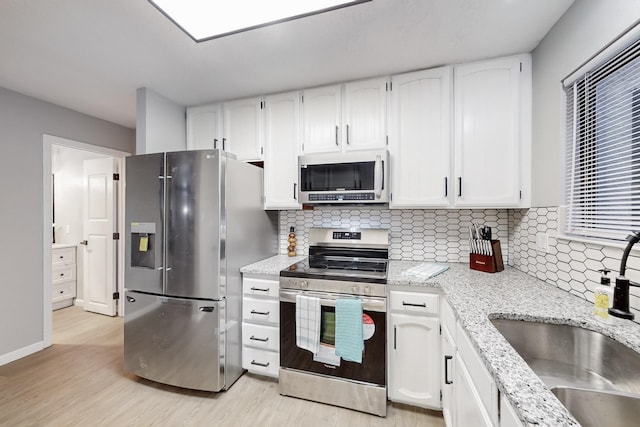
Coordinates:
<point>92,55</point>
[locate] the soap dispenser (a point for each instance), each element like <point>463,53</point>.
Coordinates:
<point>603,297</point>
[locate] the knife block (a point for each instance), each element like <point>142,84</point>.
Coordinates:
<point>488,263</point>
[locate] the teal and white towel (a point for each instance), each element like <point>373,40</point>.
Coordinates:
<point>349,340</point>
<point>425,270</point>
<point>308,323</point>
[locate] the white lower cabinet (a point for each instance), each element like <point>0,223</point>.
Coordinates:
<point>260,325</point>
<point>63,276</point>
<point>469,392</point>
<point>468,407</point>
<point>414,349</point>
<point>508,417</point>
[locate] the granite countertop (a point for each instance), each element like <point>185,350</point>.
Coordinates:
<point>271,266</point>
<point>477,297</point>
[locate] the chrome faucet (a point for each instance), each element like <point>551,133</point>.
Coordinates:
<point>621,291</point>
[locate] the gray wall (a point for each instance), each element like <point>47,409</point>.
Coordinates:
<point>160,123</point>
<point>585,28</point>
<point>23,121</point>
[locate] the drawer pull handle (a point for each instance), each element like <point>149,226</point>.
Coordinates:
<point>253,288</point>
<point>264,365</point>
<point>446,370</point>
<point>262,313</point>
<point>259,339</point>
<point>423,305</point>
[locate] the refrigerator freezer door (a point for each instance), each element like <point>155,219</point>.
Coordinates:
<point>174,341</point>
<point>144,203</point>
<point>194,240</point>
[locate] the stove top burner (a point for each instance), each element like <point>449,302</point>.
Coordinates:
<point>373,271</point>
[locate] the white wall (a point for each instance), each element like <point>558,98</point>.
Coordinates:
<point>23,121</point>
<point>160,123</point>
<point>583,30</point>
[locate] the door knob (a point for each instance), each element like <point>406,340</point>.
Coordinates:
<point>84,242</point>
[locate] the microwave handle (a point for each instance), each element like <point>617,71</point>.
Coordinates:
<point>377,177</point>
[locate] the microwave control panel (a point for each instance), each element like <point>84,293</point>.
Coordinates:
<point>341,197</point>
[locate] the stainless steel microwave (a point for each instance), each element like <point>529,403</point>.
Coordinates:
<point>358,177</point>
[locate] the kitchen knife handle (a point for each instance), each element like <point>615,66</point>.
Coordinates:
<point>459,186</point>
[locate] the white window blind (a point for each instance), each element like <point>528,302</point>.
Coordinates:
<point>603,149</point>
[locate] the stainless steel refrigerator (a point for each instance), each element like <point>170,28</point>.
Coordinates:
<point>193,218</point>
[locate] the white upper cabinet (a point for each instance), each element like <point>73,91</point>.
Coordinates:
<point>493,132</point>
<point>365,114</point>
<point>321,119</point>
<point>243,128</point>
<point>420,138</point>
<point>282,145</point>
<point>204,127</point>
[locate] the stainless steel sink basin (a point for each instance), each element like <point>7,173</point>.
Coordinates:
<point>563,355</point>
<point>600,408</point>
<point>595,377</point>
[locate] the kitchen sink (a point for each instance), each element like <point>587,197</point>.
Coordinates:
<point>595,377</point>
<point>600,408</point>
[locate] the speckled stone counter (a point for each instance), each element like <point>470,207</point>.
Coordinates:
<point>477,297</point>
<point>271,266</point>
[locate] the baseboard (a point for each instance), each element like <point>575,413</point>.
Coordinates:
<point>78,302</point>
<point>20,353</point>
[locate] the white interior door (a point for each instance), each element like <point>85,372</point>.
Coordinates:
<point>99,225</point>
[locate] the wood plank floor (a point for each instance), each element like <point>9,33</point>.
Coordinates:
<point>80,381</point>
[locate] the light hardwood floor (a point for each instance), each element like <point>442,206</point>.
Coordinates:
<point>80,381</point>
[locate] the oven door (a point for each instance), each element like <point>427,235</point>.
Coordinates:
<point>373,367</point>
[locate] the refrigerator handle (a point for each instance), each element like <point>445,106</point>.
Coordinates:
<point>207,309</point>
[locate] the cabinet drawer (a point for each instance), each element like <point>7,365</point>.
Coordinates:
<point>260,287</point>
<point>261,361</point>
<point>415,302</point>
<point>63,273</point>
<point>64,256</point>
<point>261,336</point>
<point>63,291</point>
<point>260,310</point>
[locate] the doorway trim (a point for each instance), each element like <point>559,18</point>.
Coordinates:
<point>48,141</point>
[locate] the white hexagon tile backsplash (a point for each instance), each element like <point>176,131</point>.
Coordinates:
<point>570,265</point>
<point>442,235</point>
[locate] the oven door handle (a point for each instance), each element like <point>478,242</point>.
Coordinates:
<point>377,304</point>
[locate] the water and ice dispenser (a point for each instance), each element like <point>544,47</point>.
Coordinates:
<point>143,244</point>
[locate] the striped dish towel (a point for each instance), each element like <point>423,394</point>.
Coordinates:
<point>308,323</point>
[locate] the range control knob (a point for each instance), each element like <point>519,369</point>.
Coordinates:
<point>367,290</point>
<point>304,284</point>
<point>355,289</point>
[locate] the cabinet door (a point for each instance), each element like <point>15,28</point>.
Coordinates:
<point>487,133</point>
<point>321,120</point>
<point>467,406</point>
<point>282,143</point>
<point>414,360</point>
<point>365,115</point>
<point>204,127</point>
<point>243,128</point>
<point>448,373</point>
<point>420,138</point>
